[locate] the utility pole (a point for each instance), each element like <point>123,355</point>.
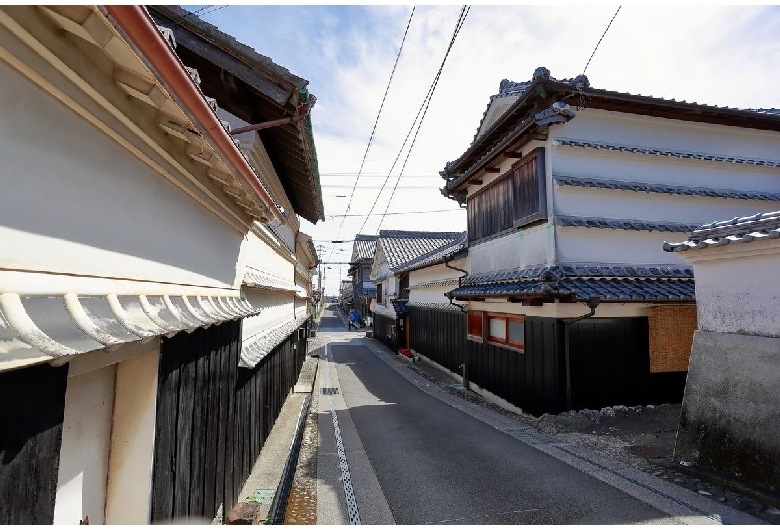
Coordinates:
<point>319,279</point>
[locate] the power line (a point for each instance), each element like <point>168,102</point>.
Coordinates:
<point>381,106</point>
<point>400,213</point>
<point>602,38</point>
<point>463,14</point>
<point>423,107</point>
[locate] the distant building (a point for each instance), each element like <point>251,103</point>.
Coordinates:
<point>363,249</point>
<point>394,249</point>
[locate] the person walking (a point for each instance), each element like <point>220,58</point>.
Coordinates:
<point>353,320</point>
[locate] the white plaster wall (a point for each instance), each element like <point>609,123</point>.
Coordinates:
<point>129,488</point>
<point>258,254</point>
<point>81,204</point>
<point>432,274</point>
<point>629,129</point>
<point>86,435</point>
<point>738,289</point>
<point>521,248</point>
<point>559,310</point>
<point>605,245</point>
<point>276,307</point>
<point>590,202</point>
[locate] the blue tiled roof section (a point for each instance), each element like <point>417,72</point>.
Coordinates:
<point>759,227</point>
<point>666,152</point>
<point>401,246</point>
<point>623,224</point>
<point>665,188</point>
<point>607,289</point>
<point>400,307</point>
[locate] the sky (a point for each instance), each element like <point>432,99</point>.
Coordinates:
<point>719,55</point>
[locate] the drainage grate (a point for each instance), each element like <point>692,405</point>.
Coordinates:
<point>531,436</point>
<point>330,391</point>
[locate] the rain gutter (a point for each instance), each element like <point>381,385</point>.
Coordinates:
<point>141,30</point>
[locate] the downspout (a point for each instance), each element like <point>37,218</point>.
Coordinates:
<point>464,366</point>
<point>592,303</point>
<point>141,30</point>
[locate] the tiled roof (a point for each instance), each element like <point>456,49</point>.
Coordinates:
<point>607,289</point>
<point>665,188</point>
<point>691,155</point>
<point>554,272</point>
<point>401,247</point>
<point>623,224</point>
<point>436,256</point>
<point>612,283</point>
<point>436,283</point>
<point>400,307</point>
<point>363,248</point>
<point>759,227</point>
<point>258,346</point>
<point>263,280</point>
<point>444,306</point>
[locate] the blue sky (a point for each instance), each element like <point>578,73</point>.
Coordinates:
<point>721,55</point>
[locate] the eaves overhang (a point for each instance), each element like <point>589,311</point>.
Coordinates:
<point>256,347</point>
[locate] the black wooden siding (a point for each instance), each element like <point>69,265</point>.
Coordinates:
<point>610,365</point>
<point>609,357</point>
<point>32,407</point>
<point>214,417</point>
<point>383,331</point>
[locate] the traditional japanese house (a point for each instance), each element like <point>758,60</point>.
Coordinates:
<point>570,189</point>
<point>394,249</point>
<point>153,278</point>
<point>729,421</point>
<point>360,262</point>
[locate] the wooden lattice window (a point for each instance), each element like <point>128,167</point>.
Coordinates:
<point>516,199</point>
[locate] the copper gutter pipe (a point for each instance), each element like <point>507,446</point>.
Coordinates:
<point>142,31</point>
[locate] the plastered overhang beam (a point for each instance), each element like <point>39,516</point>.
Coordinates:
<point>144,35</point>
<point>60,327</point>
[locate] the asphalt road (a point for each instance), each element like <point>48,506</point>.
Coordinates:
<point>413,459</point>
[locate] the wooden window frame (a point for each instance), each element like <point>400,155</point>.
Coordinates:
<point>379,293</point>
<point>507,342</point>
<point>480,337</point>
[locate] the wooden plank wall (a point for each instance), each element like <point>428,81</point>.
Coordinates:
<point>535,380</point>
<point>610,365</point>
<point>440,336</point>
<point>32,407</point>
<point>383,331</point>
<point>214,417</point>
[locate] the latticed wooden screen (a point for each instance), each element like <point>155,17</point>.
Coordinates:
<point>671,337</point>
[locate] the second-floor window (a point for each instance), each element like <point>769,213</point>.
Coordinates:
<point>379,293</point>
<point>515,199</point>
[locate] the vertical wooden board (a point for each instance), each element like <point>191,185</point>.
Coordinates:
<point>221,432</point>
<point>184,449</point>
<point>202,338</point>
<point>210,502</point>
<point>229,426</point>
<point>164,466</point>
<point>238,448</point>
<point>32,408</point>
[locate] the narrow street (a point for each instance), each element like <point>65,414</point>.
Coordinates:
<point>409,457</point>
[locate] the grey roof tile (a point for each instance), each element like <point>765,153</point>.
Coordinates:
<point>609,146</point>
<point>363,248</point>
<point>623,224</point>
<point>436,256</point>
<point>401,246</point>
<point>665,188</point>
<point>607,289</point>
<point>758,227</point>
